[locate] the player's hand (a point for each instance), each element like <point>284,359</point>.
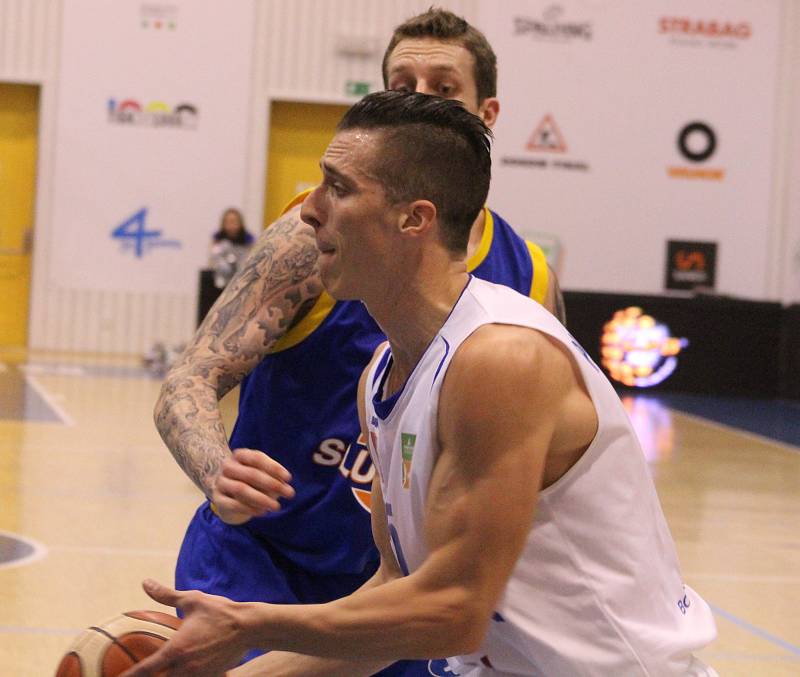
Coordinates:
<point>249,484</point>
<point>210,639</point>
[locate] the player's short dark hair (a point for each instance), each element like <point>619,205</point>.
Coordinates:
<point>442,24</point>
<point>431,149</point>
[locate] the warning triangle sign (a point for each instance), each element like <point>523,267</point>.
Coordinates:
<point>547,137</point>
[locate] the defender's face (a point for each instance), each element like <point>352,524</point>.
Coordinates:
<point>430,66</point>
<point>351,217</point>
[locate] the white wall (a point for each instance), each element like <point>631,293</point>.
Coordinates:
<point>297,57</point>
<point>785,263</point>
<point>28,39</point>
<point>619,189</point>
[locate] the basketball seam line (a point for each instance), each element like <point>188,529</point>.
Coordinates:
<point>113,639</point>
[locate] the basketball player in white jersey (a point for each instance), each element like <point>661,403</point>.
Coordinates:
<point>519,529</point>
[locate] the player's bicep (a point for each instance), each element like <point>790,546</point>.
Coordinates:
<point>495,427</point>
<point>276,285</point>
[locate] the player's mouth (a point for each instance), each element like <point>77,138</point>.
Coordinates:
<point>325,249</point>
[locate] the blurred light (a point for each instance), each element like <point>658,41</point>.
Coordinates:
<point>637,350</point>
<point>652,422</point>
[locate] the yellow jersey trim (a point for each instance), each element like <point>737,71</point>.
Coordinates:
<point>296,200</point>
<point>303,329</point>
<point>540,274</point>
<point>486,241</point>
<point>319,311</point>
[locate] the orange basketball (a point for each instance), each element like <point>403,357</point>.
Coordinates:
<point>110,648</point>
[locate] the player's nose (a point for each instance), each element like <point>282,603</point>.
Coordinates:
<point>310,211</point>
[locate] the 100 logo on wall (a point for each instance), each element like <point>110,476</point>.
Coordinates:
<point>133,234</point>
<point>154,114</point>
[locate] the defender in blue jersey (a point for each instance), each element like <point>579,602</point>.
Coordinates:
<point>298,355</point>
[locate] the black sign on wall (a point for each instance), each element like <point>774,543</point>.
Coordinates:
<point>733,344</point>
<point>691,265</point>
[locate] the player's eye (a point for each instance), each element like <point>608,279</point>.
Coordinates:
<point>401,87</point>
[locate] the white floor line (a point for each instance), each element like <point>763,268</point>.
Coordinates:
<point>114,550</point>
<point>45,394</point>
<point>46,369</point>
<point>39,551</point>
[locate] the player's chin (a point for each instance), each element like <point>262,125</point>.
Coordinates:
<point>339,284</point>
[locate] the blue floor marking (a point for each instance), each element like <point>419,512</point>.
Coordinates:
<point>775,419</point>
<point>755,630</point>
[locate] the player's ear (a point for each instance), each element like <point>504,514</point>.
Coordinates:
<point>417,218</point>
<point>489,110</point>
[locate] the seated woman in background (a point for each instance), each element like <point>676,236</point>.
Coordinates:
<point>229,246</point>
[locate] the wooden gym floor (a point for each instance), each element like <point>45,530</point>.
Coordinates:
<point>91,502</point>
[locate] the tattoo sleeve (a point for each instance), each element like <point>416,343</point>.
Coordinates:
<point>276,286</point>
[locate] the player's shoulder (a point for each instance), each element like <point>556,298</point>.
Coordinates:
<point>363,381</point>
<point>503,347</point>
<point>378,353</point>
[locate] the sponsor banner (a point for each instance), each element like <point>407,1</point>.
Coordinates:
<point>623,123</point>
<point>696,143</point>
<point>694,30</point>
<point>151,139</point>
<point>691,265</point>
<point>545,140</point>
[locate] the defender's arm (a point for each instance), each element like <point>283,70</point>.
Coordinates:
<point>276,286</point>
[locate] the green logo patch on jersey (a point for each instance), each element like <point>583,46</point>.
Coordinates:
<point>407,442</point>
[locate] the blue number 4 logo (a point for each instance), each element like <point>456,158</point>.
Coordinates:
<point>133,234</point>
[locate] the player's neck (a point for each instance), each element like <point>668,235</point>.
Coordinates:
<point>476,233</point>
<point>411,319</point>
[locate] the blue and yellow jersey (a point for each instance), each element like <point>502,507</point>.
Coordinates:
<point>299,406</point>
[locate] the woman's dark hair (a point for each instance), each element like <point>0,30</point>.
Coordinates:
<point>241,237</point>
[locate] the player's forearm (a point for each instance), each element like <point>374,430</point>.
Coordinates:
<point>288,664</point>
<point>188,419</point>
<point>283,664</point>
<point>389,622</point>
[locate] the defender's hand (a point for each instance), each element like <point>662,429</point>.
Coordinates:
<point>249,484</point>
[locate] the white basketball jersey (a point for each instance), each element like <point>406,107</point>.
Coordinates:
<point>597,590</point>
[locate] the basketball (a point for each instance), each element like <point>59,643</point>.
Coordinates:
<point>110,648</point>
